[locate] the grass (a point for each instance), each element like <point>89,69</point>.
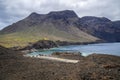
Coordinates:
<point>11,40</point>
<point>36,33</point>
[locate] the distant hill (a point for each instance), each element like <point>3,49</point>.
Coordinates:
<point>59,25</point>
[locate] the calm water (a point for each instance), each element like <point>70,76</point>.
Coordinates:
<point>101,48</point>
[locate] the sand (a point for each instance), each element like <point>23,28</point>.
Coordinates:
<point>53,58</point>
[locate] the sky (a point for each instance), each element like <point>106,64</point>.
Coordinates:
<point>12,11</point>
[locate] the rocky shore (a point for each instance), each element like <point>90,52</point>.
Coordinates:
<point>14,66</point>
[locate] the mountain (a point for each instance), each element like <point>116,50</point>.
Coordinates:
<point>60,25</point>
<point>52,26</point>
<point>100,27</point>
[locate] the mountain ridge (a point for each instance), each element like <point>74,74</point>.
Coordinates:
<point>102,28</point>
<point>60,25</point>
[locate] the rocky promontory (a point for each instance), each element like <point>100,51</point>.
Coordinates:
<point>42,44</point>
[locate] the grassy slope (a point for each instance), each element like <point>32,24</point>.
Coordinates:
<point>36,33</point>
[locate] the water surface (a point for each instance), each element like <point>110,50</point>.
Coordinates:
<point>101,48</point>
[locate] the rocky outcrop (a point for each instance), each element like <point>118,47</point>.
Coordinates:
<point>42,44</point>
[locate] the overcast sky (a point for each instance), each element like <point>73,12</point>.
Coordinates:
<point>15,10</point>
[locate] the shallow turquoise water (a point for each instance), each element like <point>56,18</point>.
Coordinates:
<point>101,48</point>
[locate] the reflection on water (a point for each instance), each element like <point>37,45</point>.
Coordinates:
<point>104,48</point>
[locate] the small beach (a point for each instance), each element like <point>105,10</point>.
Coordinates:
<point>53,58</point>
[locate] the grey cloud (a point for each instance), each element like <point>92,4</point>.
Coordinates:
<point>14,10</point>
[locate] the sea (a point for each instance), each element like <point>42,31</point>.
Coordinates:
<point>99,48</point>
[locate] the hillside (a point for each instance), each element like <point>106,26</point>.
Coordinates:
<point>52,26</point>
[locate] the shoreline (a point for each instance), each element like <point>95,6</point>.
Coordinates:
<point>34,50</point>
<point>47,44</point>
<point>31,48</point>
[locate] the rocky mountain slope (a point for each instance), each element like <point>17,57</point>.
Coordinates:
<point>102,28</point>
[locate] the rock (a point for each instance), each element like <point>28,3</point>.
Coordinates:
<point>67,53</point>
<point>42,44</point>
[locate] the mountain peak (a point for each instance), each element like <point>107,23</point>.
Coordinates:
<point>33,14</point>
<point>54,15</point>
<point>64,13</point>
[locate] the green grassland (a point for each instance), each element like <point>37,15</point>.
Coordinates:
<point>12,40</point>
<point>22,38</point>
